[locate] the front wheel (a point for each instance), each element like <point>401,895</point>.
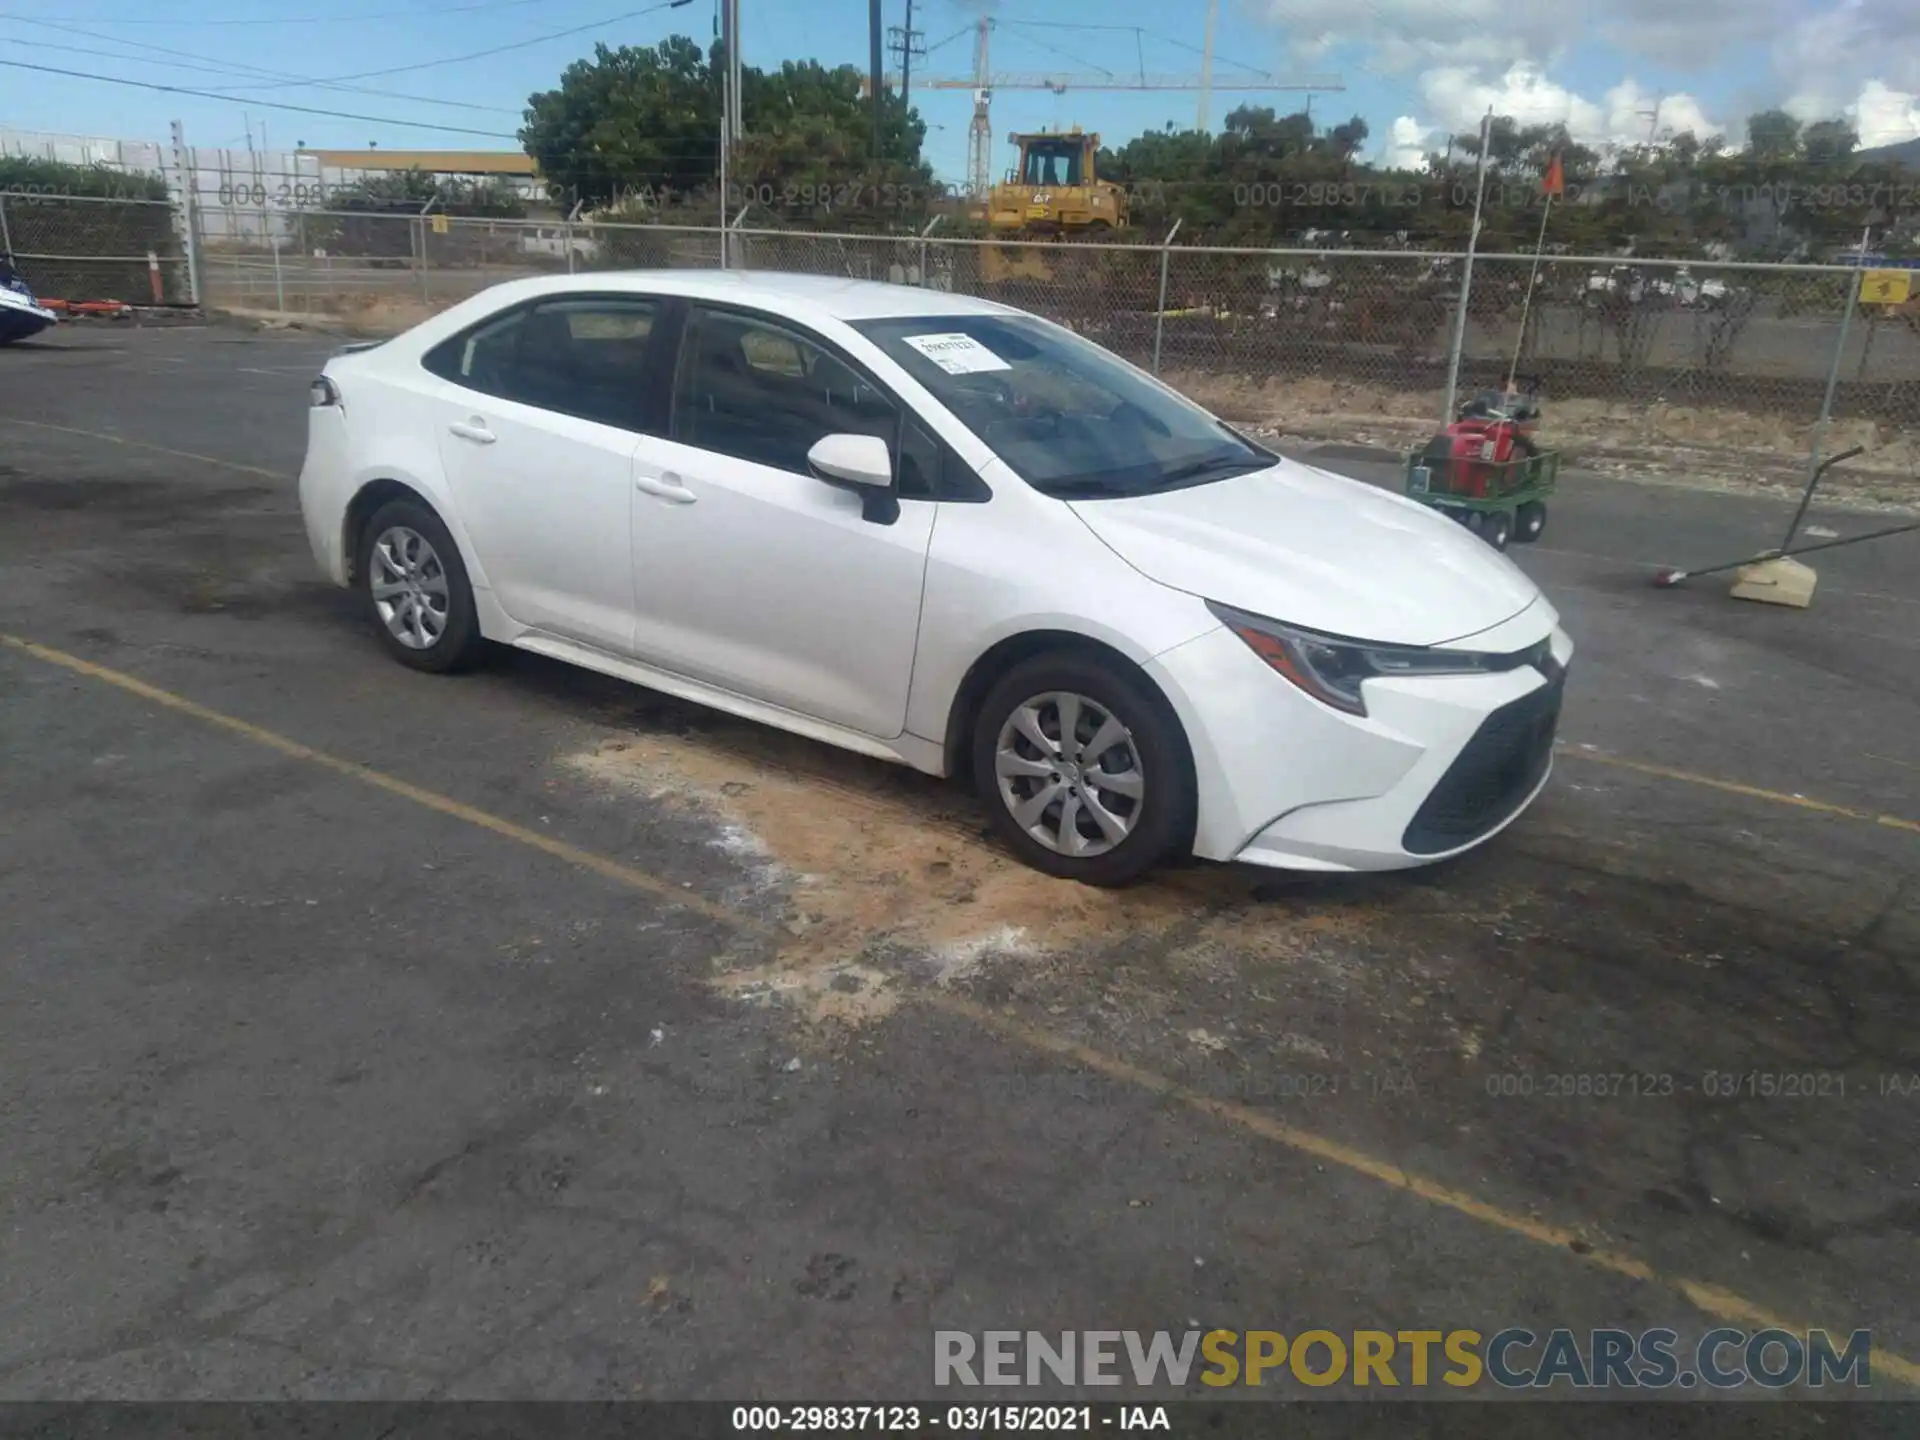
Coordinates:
<point>1084,768</point>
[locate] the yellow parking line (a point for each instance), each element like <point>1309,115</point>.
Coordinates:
<point>1712,1300</point>
<point>628,875</point>
<point>1734,787</point>
<point>146,445</point>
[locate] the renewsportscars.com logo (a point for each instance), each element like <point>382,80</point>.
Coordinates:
<point>1510,1359</point>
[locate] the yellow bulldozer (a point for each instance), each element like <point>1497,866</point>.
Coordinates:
<point>1054,191</point>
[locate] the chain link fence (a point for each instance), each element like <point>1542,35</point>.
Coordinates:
<point>1336,343</point>
<point>81,247</point>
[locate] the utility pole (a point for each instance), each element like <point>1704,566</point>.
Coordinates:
<point>1205,117</point>
<point>907,42</point>
<point>735,70</point>
<point>876,60</point>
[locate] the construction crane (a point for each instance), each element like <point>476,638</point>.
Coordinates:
<point>983,83</point>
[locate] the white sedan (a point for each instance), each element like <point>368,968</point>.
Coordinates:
<point>947,533</point>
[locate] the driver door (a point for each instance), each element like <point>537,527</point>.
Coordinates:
<point>750,573</point>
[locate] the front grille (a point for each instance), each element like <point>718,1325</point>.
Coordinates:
<point>1495,772</point>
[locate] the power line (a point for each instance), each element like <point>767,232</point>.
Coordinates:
<point>492,50</point>
<point>1044,45</point>
<point>262,104</point>
<point>232,68</point>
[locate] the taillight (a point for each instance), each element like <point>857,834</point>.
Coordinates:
<point>323,394</point>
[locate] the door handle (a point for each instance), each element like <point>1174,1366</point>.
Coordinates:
<point>667,487</point>
<point>474,430</point>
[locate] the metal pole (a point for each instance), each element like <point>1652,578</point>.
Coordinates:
<point>1466,280</point>
<point>190,209</point>
<point>877,64</point>
<point>279,282</point>
<point>923,249</point>
<point>723,192</point>
<point>906,59</point>
<point>1160,314</point>
<point>6,239</point>
<point>1833,384</point>
<point>736,64</point>
<point>1526,306</point>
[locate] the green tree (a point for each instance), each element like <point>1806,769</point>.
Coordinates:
<point>644,121</point>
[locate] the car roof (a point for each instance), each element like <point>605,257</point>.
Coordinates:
<point>831,296</point>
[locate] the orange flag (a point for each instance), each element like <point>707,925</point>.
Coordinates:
<point>1555,180</point>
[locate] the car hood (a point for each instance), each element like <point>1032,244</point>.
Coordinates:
<point>1300,545</point>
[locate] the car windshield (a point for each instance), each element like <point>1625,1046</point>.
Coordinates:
<point>1069,418</point>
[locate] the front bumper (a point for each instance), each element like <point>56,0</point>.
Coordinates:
<point>1439,765</point>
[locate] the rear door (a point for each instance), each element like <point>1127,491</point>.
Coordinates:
<point>537,434</point>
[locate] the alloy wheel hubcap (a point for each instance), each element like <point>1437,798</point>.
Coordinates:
<point>409,587</point>
<point>1069,773</point>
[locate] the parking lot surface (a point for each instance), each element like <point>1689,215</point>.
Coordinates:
<point>371,1034</point>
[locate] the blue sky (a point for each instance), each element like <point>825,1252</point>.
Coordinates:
<point>1412,68</point>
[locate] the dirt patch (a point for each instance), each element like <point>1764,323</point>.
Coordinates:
<point>1694,447</point>
<point>885,876</point>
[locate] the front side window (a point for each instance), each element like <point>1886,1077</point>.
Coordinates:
<point>760,391</point>
<point>1070,418</point>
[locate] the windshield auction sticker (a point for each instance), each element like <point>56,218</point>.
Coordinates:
<point>957,354</point>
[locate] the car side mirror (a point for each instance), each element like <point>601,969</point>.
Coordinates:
<point>863,463</point>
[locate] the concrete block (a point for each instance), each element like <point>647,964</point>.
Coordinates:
<point>1776,582</point>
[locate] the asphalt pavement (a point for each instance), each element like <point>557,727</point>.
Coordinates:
<point>376,1035</point>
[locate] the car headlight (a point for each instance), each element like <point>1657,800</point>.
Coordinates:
<point>1332,668</point>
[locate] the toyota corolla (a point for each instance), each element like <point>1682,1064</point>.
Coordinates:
<point>950,534</point>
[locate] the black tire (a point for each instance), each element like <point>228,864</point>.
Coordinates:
<point>458,645</point>
<point>1530,523</point>
<point>1498,529</point>
<point>1162,819</point>
<point>1475,520</point>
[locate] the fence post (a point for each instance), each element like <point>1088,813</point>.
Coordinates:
<point>1833,383</point>
<point>6,237</point>
<point>1160,311</point>
<point>190,209</point>
<point>924,284</point>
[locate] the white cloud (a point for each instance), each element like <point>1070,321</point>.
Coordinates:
<point>1881,115</point>
<point>1407,145</point>
<point>1457,97</point>
<point>1860,58</point>
<point>1398,35</point>
<point>1885,116</point>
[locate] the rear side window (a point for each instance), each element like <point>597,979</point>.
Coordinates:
<point>583,357</point>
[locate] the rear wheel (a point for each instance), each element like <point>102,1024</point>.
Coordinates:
<point>1530,522</point>
<point>1084,769</point>
<point>416,589</point>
